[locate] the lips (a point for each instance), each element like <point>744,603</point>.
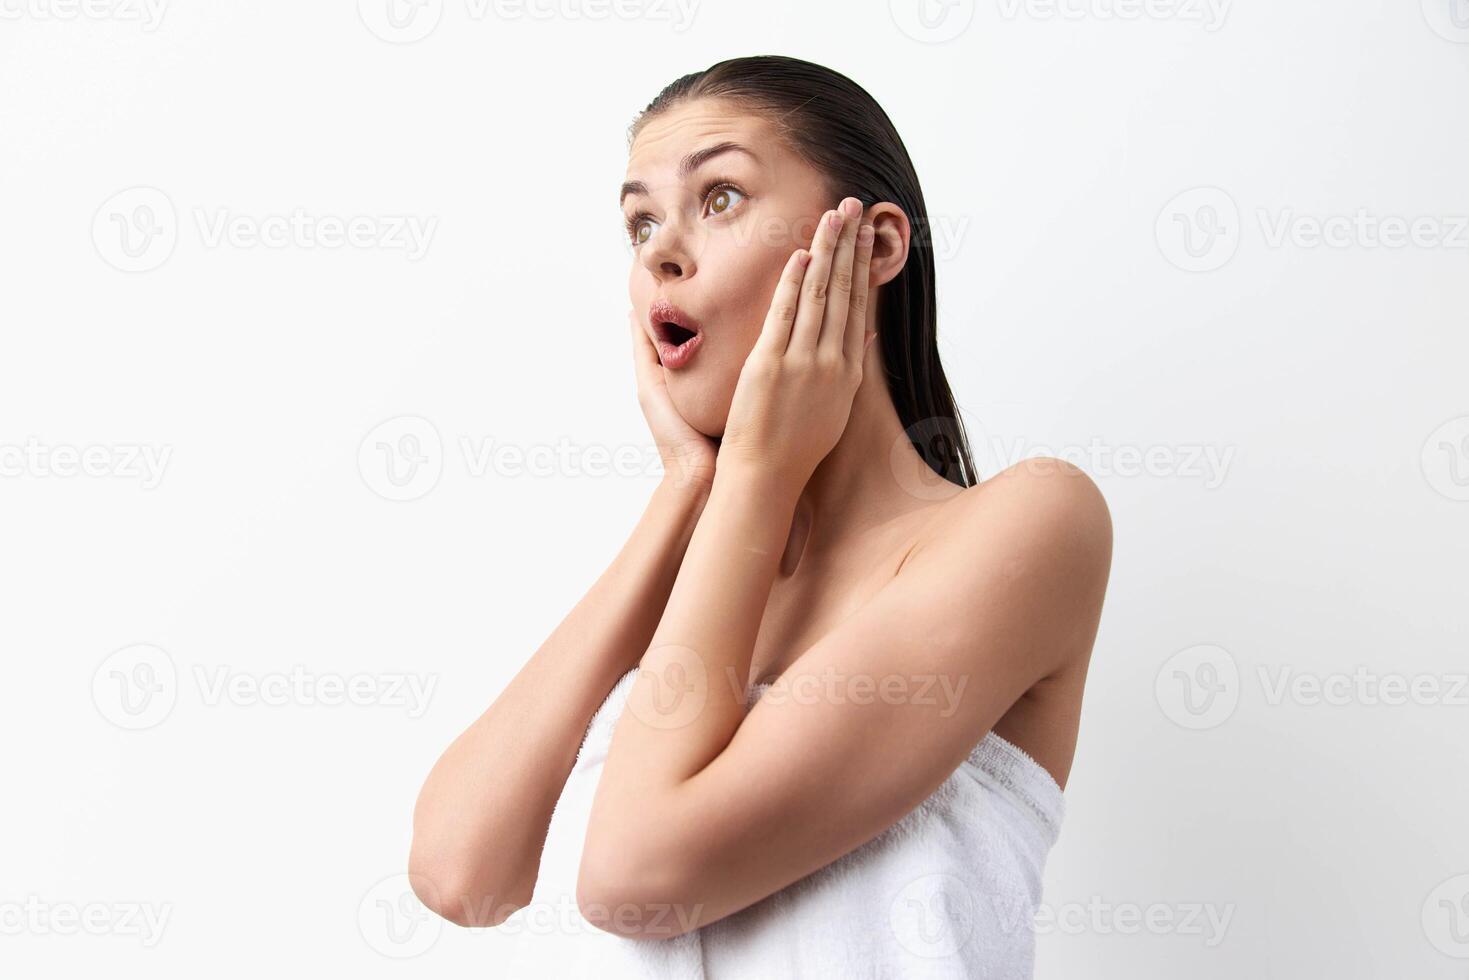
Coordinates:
<point>677,335</point>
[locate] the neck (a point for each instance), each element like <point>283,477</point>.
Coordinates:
<point>872,476</point>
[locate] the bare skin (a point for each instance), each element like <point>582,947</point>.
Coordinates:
<point>797,536</point>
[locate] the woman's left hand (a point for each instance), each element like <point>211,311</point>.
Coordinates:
<point>795,391</point>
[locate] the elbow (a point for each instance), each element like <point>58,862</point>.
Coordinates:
<point>635,897</point>
<point>450,889</point>
<point>458,879</point>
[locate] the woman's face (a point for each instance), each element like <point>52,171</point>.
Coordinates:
<point>713,240</point>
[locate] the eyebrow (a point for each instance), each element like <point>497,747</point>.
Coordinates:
<point>688,165</point>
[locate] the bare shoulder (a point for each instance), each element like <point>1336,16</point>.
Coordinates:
<point>1052,494</point>
<point>1038,532</point>
<point>1049,500</point>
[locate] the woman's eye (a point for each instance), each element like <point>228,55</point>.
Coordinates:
<point>719,198</point>
<point>720,201</point>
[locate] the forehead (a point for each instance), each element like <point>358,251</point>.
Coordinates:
<point>674,133</point>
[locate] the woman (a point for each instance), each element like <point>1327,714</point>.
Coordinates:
<point>846,677</point>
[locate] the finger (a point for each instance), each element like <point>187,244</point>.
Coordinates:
<point>776,333</point>
<point>644,354</point>
<point>856,332</point>
<point>839,290</point>
<point>641,345</point>
<point>812,307</point>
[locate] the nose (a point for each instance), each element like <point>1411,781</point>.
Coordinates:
<point>670,254</point>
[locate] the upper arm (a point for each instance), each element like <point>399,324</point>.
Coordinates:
<point>874,716</point>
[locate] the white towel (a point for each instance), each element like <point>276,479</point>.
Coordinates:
<point>949,891</point>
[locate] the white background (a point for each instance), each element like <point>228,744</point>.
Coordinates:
<point>1326,380</point>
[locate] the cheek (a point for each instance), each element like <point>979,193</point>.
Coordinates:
<point>639,286</point>
<point>747,276</point>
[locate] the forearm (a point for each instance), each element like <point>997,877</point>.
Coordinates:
<point>706,637</point>
<point>481,817</point>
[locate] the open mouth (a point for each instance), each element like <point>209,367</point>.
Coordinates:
<point>678,334</point>
<point>673,333</point>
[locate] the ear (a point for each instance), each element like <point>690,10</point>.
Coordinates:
<point>890,242</point>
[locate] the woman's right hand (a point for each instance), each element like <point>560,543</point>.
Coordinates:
<point>688,455</point>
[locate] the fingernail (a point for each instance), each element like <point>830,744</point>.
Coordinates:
<point>851,207</point>
<point>835,221</point>
<point>864,235</point>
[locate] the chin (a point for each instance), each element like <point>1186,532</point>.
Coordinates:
<point>701,405</point>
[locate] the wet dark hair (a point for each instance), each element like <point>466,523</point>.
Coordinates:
<point>831,122</point>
